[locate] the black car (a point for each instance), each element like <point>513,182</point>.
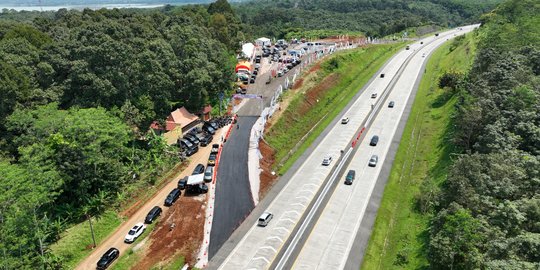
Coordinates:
<point>192,138</point>
<point>374,140</point>
<point>182,183</point>
<point>391,104</point>
<point>207,140</point>
<point>192,150</point>
<point>252,80</point>
<point>382,75</point>
<point>210,130</point>
<point>172,197</point>
<point>211,124</point>
<point>198,169</point>
<point>152,215</point>
<point>350,177</point>
<point>108,258</point>
<point>185,144</point>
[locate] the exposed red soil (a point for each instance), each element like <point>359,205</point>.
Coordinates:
<point>266,163</point>
<point>184,238</point>
<point>298,83</point>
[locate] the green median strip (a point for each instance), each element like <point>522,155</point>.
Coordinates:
<point>400,231</point>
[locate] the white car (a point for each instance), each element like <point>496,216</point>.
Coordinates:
<point>345,120</point>
<point>135,232</point>
<point>327,160</point>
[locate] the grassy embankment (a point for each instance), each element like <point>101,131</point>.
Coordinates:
<point>338,80</point>
<point>72,246</point>
<point>399,235</point>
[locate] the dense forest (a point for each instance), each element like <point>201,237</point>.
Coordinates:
<point>78,91</point>
<point>488,210</point>
<point>277,18</point>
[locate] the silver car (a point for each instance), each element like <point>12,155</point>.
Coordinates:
<point>373,161</point>
<point>327,160</point>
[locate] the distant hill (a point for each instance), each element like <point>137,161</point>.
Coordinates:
<point>19,3</point>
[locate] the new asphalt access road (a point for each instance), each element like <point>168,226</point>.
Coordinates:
<point>233,195</point>
<point>261,247</point>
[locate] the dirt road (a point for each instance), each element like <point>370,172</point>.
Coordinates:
<point>116,239</point>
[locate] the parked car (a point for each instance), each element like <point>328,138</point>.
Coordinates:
<point>212,160</point>
<point>192,138</point>
<point>191,151</point>
<point>252,80</point>
<point>374,95</point>
<point>280,73</point>
<point>108,258</point>
<point>391,104</point>
<point>374,140</point>
<point>197,189</point>
<point>327,160</point>
<point>207,140</point>
<point>172,197</point>
<point>350,177</point>
<point>208,174</point>
<point>215,148</point>
<point>211,124</point>
<point>182,183</point>
<point>152,214</point>
<point>198,169</point>
<point>185,144</point>
<point>264,219</point>
<point>210,130</point>
<point>373,161</point>
<point>135,232</point>
<point>345,120</point>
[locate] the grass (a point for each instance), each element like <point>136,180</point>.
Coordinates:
<point>399,236</point>
<point>353,70</point>
<point>72,245</point>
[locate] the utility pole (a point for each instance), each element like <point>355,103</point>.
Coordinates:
<point>91,230</point>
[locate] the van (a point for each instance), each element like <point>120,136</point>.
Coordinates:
<point>264,219</point>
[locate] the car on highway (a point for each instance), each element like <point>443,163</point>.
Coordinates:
<point>264,219</point>
<point>373,161</point>
<point>421,42</point>
<point>172,197</point>
<point>198,169</point>
<point>208,174</point>
<point>382,75</point>
<point>135,232</point>
<point>424,55</point>
<point>327,160</point>
<point>350,177</point>
<point>345,120</point>
<point>212,160</point>
<point>215,148</point>
<point>182,183</point>
<point>107,258</point>
<point>407,48</point>
<point>374,140</point>
<point>374,95</point>
<point>391,104</point>
<point>152,215</point>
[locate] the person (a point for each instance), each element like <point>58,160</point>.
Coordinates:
<point>237,126</point>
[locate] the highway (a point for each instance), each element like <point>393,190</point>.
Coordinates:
<point>316,217</point>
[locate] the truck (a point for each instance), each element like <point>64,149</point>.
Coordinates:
<point>195,184</point>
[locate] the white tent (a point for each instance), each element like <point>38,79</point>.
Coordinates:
<point>248,50</point>
<point>195,179</point>
<point>263,41</point>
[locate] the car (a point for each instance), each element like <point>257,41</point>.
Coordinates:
<point>407,48</point>
<point>280,73</point>
<point>208,174</point>
<point>436,34</point>
<point>215,148</point>
<point>382,75</point>
<point>264,219</point>
<point>190,151</point>
<point>350,177</point>
<point>252,80</point>
<point>391,104</point>
<point>374,95</point>
<point>135,232</point>
<point>172,197</point>
<point>421,42</point>
<point>212,160</point>
<point>424,55</point>
<point>206,140</point>
<point>345,120</point>
<point>182,183</point>
<point>255,72</point>
<point>185,144</point>
<point>152,215</point>
<point>373,161</point>
<point>108,258</point>
<point>327,160</point>
<point>192,138</point>
<point>198,169</point>
<point>374,140</point>
<point>269,80</point>
<point>210,130</point>
<point>197,189</point>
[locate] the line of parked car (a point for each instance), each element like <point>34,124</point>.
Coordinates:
<point>188,143</point>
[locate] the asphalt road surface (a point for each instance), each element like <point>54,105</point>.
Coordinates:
<point>328,245</point>
<point>233,201</point>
